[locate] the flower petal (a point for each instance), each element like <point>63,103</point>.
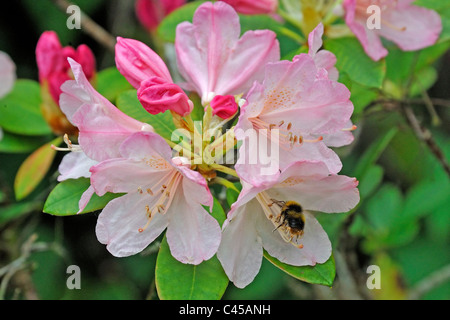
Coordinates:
<point>75,165</point>
<point>119,223</point>
<point>316,247</point>
<point>240,251</point>
<point>137,62</point>
<point>7,74</point>
<point>193,234</point>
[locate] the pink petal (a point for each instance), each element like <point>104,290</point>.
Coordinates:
<point>85,198</point>
<point>103,128</point>
<point>124,176</point>
<point>411,27</point>
<point>137,62</point>
<point>78,92</point>
<point>193,234</point>
<point>49,56</point>
<point>7,74</point>
<point>309,184</point>
<point>253,7</point>
<point>213,60</point>
<point>119,223</point>
<point>224,106</point>
<point>240,251</point>
<point>369,39</point>
<point>316,245</point>
<point>75,165</point>
<point>157,96</point>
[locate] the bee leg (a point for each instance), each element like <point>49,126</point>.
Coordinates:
<point>281,224</point>
<point>278,203</point>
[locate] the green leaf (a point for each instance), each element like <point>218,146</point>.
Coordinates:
<point>178,281</point>
<point>352,60</point>
<point>373,153</point>
<point>13,143</point>
<point>18,210</point>
<point>163,124</point>
<point>64,198</point>
<point>20,110</point>
<point>217,212</point>
<point>110,83</point>
<point>34,169</point>
<point>371,180</point>
<point>323,274</point>
<point>167,28</point>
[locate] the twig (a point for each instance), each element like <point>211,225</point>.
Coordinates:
<point>432,281</point>
<point>424,135</point>
<point>90,27</point>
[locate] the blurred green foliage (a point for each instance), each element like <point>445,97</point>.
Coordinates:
<point>402,223</point>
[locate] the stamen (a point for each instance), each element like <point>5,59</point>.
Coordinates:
<point>164,201</point>
<point>352,128</point>
<point>315,140</point>
<point>70,147</point>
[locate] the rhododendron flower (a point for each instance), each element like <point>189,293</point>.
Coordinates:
<point>151,12</point>
<point>255,220</point>
<point>410,27</point>
<point>161,193</point>
<point>224,106</point>
<point>323,58</point>
<point>54,70</point>
<point>52,62</point>
<point>253,7</point>
<point>102,128</point>
<point>157,95</point>
<point>301,109</point>
<point>7,74</point>
<point>212,57</point>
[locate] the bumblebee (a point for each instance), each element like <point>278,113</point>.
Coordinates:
<point>290,218</point>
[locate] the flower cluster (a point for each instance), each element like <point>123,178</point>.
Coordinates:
<point>290,116</point>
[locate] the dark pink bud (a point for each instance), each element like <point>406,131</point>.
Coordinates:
<point>224,106</point>
<point>158,95</point>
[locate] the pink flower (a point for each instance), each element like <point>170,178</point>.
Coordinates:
<point>212,57</point>
<point>52,62</point>
<point>160,192</point>
<point>409,26</point>
<point>253,7</point>
<point>137,62</point>
<point>224,106</point>
<point>102,128</point>
<point>255,220</point>
<point>293,111</point>
<point>323,58</point>
<point>151,12</point>
<point>158,95</point>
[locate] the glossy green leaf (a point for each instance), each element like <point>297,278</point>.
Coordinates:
<point>34,169</point>
<point>167,28</point>
<point>13,143</point>
<point>20,110</point>
<point>110,83</point>
<point>323,274</point>
<point>163,124</point>
<point>64,198</point>
<point>352,60</point>
<point>179,281</point>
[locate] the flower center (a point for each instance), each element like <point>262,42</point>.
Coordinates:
<point>161,195</point>
<point>286,216</point>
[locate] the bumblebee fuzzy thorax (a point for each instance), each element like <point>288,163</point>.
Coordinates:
<point>287,217</point>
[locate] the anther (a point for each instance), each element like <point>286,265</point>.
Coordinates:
<point>281,123</point>
<point>352,128</point>
<point>149,191</point>
<point>300,246</point>
<point>289,126</point>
